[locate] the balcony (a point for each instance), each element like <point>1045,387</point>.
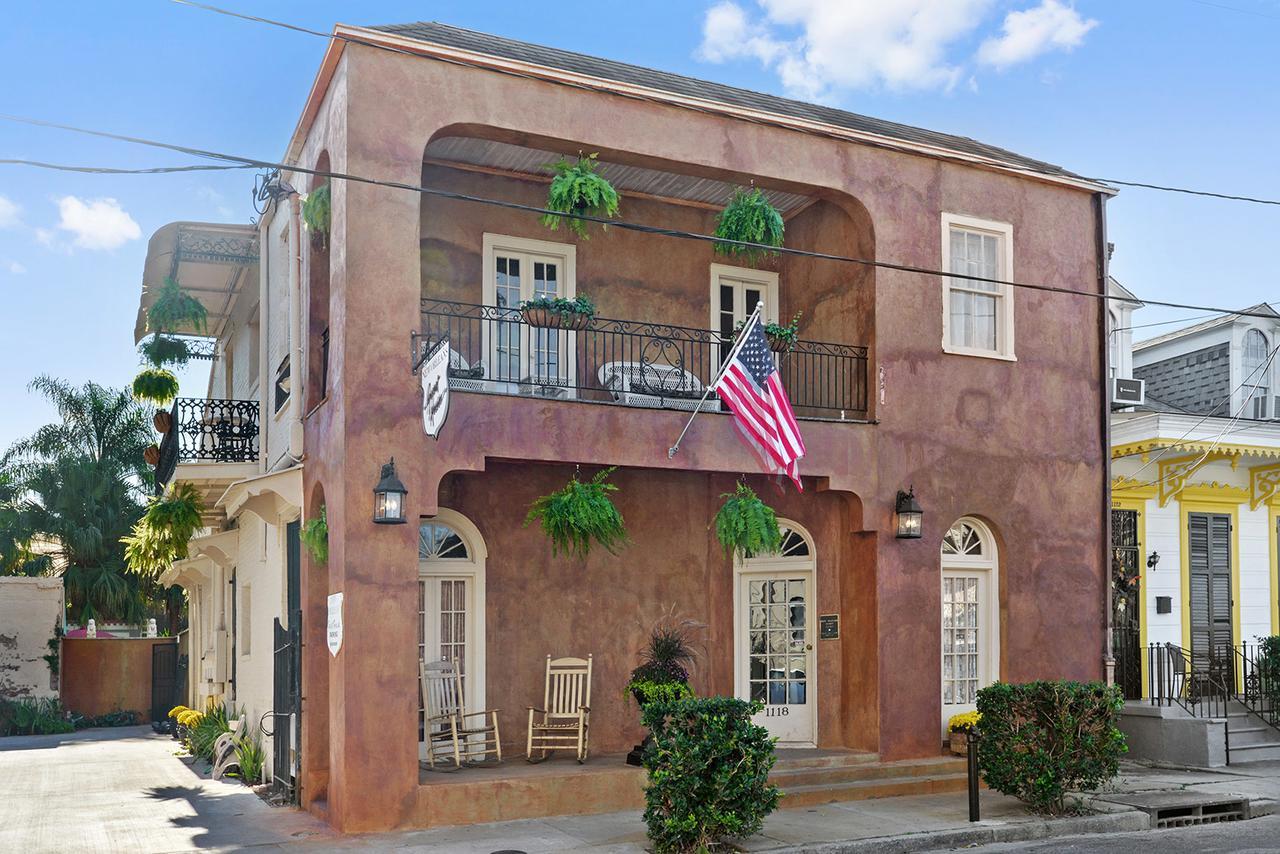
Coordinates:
<point>215,442</point>
<point>625,362</point>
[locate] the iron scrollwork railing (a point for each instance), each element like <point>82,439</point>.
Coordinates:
<point>208,431</point>
<point>633,363</point>
<point>1260,679</point>
<point>1204,692</point>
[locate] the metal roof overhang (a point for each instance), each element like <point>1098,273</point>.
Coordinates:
<point>212,262</point>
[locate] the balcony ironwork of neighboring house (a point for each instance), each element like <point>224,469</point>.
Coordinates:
<point>208,431</point>
<point>631,363</point>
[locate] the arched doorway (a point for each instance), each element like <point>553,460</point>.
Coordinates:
<point>970,615</point>
<point>451,559</point>
<point>774,630</point>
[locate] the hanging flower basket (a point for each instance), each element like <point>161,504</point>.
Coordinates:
<point>162,421</point>
<point>558,312</point>
<point>152,455</point>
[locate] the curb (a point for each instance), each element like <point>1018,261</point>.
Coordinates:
<point>1125,821</point>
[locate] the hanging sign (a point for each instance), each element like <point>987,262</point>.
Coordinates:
<point>335,623</point>
<point>435,388</point>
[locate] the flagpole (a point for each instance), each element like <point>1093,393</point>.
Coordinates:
<point>742,339</point>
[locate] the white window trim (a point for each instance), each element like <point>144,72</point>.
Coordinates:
<point>1005,330</point>
<point>768,281</point>
<point>567,252</point>
<point>988,563</point>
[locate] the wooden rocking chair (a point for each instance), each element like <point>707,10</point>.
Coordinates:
<point>452,734</point>
<point>561,723</point>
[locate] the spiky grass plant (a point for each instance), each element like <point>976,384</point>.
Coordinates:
<point>581,513</point>
<point>751,218</point>
<point>578,189</point>
<point>746,524</point>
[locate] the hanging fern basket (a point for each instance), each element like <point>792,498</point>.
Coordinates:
<point>580,514</point>
<point>558,312</point>
<point>317,214</point>
<point>746,525</point>
<point>578,189</point>
<point>751,218</point>
<point>155,385</point>
<point>174,310</point>
<point>315,537</point>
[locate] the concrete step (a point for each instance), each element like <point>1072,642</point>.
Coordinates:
<point>807,796</point>
<point>795,759</point>
<point>791,778</point>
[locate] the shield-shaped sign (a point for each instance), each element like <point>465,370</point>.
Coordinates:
<point>435,388</point>
<point>335,623</point>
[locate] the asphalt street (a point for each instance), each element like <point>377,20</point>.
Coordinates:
<point>1244,837</point>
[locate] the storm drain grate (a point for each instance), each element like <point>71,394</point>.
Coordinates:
<point>1213,813</point>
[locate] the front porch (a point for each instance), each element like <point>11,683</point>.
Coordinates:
<point>516,789</point>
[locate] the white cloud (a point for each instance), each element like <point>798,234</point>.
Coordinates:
<point>96,223</point>
<point>1050,26</point>
<point>9,213</point>
<point>818,47</point>
<point>216,199</point>
<point>44,236</point>
<point>845,44</point>
<point>15,268</point>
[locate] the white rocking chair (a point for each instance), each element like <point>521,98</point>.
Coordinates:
<point>562,722</point>
<point>448,736</point>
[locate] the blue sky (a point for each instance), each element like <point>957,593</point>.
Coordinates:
<point>1167,91</point>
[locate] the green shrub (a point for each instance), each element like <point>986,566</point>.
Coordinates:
<point>708,770</point>
<point>27,716</point>
<point>1040,740</point>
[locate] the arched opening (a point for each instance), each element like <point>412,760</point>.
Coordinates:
<point>318,303</point>
<point>314,723</point>
<point>970,615</point>
<point>451,603</point>
<point>774,632</point>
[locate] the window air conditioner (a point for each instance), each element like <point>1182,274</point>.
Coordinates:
<point>1128,392</point>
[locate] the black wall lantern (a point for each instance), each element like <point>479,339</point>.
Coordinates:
<point>388,497</point>
<point>1152,560</point>
<point>908,516</point>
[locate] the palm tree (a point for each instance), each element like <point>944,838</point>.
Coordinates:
<point>71,490</point>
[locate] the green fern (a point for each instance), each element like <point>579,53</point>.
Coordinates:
<point>315,536</point>
<point>578,514</point>
<point>174,308</point>
<point>578,189</point>
<point>317,214</point>
<point>749,217</point>
<point>161,350</point>
<point>746,524</point>
<point>155,385</point>
<point>160,536</point>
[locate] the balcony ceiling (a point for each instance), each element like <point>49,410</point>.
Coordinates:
<point>212,262</point>
<point>518,160</point>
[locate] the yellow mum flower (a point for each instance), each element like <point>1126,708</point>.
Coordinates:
<point>963,721</point>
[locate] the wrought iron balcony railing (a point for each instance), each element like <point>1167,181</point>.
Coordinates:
<point>632,363</point>
<point>208,431</point>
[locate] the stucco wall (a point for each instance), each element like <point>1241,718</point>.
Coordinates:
<point>108,674</point>
<point>30,608</point>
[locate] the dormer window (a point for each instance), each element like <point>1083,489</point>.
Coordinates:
<point>1256,384</point>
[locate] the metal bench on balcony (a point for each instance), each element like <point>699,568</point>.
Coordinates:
<point>625,362</point>
<point>208,431</point>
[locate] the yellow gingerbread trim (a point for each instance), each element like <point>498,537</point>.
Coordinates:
<point>1263,484</point>
<point>1127,487</point>
<point>1174,473</point>
<point>1144,448</point>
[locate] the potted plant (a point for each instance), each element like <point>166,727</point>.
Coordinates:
<point>317,214</point>
<point>746,524</point>
<point>558,312</point>
<point>580,513</point>
<point>781,337</point>
<point>750,218</point>
<point>663,673</point>
<point>173,309</point>
<point>960,728</point>
<point>578,189</point>
<point>315,536</point>
<point>165,350</point>
<point>155,385</point>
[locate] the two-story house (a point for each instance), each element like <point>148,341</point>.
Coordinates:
<point>988,400</point>
<point>1196,516</point>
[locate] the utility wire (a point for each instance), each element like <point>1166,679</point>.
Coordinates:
<point>623,224</point>
<point>636,96</point>
<point>108,170</point>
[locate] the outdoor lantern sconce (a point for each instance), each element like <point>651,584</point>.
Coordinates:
<point>908,515</point>
<point>388,497</point>
<point>1152,560</point>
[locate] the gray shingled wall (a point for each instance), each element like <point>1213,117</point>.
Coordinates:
<point>1196,382</point>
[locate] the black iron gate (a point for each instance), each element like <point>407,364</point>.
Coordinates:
<point>164,680</point>
<point>1126,602</point>
<point>286,732</point>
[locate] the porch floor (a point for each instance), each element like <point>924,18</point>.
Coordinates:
<point>517,789</point>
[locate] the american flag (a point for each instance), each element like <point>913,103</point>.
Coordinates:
<point>752,389</point>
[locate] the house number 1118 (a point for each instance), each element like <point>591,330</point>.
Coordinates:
<point>776,711</point>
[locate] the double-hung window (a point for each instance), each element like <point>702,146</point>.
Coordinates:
<point>1256,384</point>
<point>977,307</point>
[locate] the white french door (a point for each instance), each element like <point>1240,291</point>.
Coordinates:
<point>970,610</point>
<point>516,270</point>
<point>734,294</point>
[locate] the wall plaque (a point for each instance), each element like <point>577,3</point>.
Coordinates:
<point>829,627</point>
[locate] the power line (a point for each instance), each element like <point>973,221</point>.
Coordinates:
<point>1237,9</point>
<point>623,224</point>
<point>109,170</point>
<point>636,96</point>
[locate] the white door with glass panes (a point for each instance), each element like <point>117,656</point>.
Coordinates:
<point>522,358</point>
<point>450,603</point>
<point>970,617</point>
<point>734,294</point>
<point>776,627</point>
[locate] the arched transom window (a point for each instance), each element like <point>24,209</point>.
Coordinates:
<point>437,541</point>
<point>792,544</point>
<point>963,539</point>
